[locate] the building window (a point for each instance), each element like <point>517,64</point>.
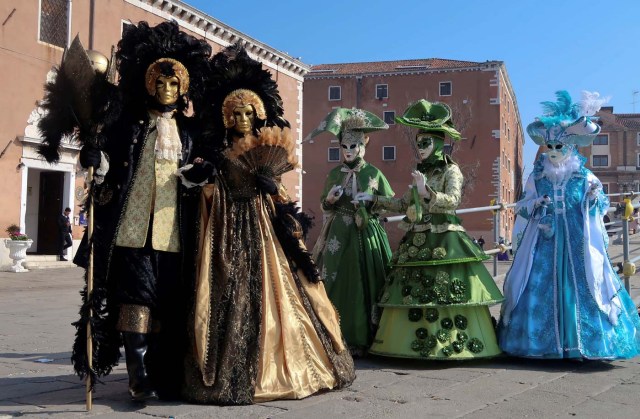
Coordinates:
<point>638,160</point>
<point>53,22</point>
<point>447,149</point>
<point>389,117</point>
<point>333,154</point>
<point>602,139</point>
<point>605,188</point>
<point>600,160</point>
<point>445,88</point>
<point>388,152</point>
<point>638,140</point>
<point>382,91</point>
<point>335,93</point>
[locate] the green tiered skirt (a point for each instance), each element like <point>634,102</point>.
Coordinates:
<point>436,300</point>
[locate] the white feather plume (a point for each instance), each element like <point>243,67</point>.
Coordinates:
<point>591,102</point>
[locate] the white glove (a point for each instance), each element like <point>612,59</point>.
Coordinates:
<point>101,171</point>
<point>334,194</point>
<point>594,189</point>
<point>362,196</point>
<point>543,200</point>
<point>419,180</point>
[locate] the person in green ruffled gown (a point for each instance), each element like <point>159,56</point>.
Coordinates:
<point>352,250</point>
<point>438,292</point>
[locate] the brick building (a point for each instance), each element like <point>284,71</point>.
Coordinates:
<point>614,156</point>
<point>32,39</point>
<point>485,111</point>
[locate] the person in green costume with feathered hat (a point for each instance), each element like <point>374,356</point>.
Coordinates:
<point>438,292</point>
<point>353,251</point>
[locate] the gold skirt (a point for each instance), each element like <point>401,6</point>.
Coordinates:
<point>300,346</point>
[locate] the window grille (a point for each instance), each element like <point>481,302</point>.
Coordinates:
<point>53,22</point>
<point>445,88</point>
<point>602,139</point>
<point>388,152</point>
<point>382,91</point>
<point>599,160</point>
<point>335,93</point>
<point>333,154</point>
<point>389,117</point>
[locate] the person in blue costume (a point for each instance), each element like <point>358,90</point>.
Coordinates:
<point>563,298</point>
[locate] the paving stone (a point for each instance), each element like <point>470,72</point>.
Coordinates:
<point>412,389</point>
<point>485,390</point>
<point>598,409</point>
<point>534,403</point>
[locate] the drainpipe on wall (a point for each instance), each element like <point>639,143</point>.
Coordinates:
<point>624,147</point>
<point>69,6</point>
<point>92,11</point>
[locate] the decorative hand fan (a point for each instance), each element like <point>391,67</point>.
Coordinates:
<point>271,153</point>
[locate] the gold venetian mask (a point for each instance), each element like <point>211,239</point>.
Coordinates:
<point>167,90</point>
<point>244,117</point>
<point>159,76</point>
<point>242,99</point>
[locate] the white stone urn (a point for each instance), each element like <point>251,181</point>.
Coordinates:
<point>18,252</point>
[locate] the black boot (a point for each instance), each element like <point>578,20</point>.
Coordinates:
<point>135,347</point>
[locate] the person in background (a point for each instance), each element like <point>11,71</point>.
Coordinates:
<point>64,232</point>
<point>481,242</point>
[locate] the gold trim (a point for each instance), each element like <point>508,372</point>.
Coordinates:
<point>134,318</point>
<point>153,72</point>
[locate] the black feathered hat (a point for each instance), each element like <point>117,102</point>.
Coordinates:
<point>141,46</point>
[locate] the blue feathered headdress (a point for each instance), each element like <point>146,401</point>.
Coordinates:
<point>567,122</point>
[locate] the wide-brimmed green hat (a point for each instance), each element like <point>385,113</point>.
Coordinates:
<point>343,119</point>
<point>429,117</point>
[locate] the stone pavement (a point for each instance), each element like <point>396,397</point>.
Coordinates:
<point>37,380</point>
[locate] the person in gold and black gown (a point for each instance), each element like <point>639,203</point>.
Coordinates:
<point>261,326</point>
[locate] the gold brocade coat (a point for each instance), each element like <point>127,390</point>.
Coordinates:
<point>259,329</point>
<point>154,191</point>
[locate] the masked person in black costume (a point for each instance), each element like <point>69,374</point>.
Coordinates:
<point>139,242</point>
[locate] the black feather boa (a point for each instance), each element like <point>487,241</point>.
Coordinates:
<point>291,226</point>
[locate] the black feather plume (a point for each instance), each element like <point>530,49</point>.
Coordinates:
<point>59,119</point>
<point>291,226</point>
<point>141,45</point>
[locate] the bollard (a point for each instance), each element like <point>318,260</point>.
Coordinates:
<point>496,236</point>
<point>625,254</point>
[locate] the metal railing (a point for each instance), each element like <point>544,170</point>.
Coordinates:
<point>628,264</point>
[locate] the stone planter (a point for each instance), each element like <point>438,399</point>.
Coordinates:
<point>18,252</point>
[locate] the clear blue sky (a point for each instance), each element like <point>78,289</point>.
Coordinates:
<point>546,45</point>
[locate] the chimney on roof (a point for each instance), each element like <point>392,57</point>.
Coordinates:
<point>607,109</point>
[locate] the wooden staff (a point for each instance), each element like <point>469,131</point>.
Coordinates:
<point>89,398</point>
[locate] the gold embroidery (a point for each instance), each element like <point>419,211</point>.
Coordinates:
<point>134,318</point>
<point>154,188</point>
